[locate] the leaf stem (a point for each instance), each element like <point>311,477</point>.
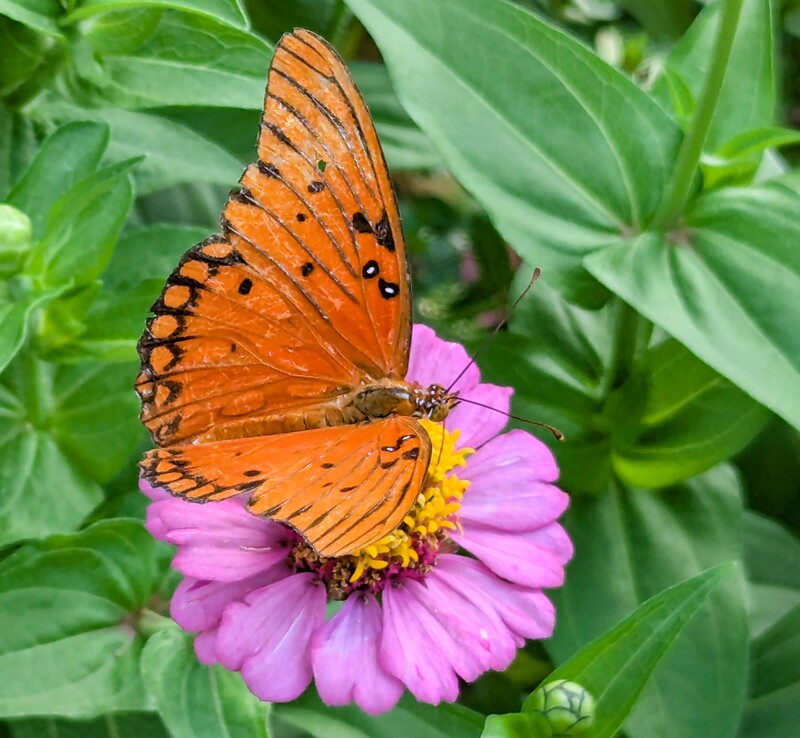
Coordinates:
<point>623,352</point>
<point>148,623</point>
<point>35,380</point>
<point>679,187</point>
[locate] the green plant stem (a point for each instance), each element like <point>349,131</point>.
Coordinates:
<point>680,184</point>
<point>623,352</point>
<point>37,387</point>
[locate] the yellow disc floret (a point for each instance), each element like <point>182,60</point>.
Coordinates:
<point>415,542</point>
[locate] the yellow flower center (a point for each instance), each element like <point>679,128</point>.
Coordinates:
<point>415,542</point>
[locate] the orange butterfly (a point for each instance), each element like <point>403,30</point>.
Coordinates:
<point>274,364</point>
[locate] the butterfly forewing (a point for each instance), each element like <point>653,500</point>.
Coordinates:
<point>348,485</point>
<point>313,109</point>
<point>305,295</point>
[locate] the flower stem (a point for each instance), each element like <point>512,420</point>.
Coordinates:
<point>680,184</point>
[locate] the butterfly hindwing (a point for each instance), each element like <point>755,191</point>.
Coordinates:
<point>305,295</point>
<point>342,488</point>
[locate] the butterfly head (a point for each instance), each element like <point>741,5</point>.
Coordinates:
<point>436,402</point>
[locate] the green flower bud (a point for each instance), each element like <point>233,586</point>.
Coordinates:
<point>15,238</point>
<point>561,709</point>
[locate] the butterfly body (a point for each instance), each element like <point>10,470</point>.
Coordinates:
<point>274,363</point>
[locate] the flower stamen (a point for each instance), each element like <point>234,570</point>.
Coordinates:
<point>413,546</point>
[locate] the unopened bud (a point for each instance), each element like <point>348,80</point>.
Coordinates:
<point>561,709</point>
<point>15,238</point>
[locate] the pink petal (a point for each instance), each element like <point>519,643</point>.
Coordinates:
<point>532,559</point>
<point>411,651</point>
<point>494,644</point>
<point>344,656</point>
<point>505,489</point>
<point>479,424</point>
<point>205,647</point>
<point>434,361</point>
<point>526,612</point>
<point>198,604</point>
<point>432,633</point>
<point>268,636</point>
<point>154,493</point>
<point>517,449</point>
<point>220,540</point>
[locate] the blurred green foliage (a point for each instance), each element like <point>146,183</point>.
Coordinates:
<point>641,153</point>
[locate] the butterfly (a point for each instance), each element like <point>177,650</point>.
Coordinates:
<point>274,362</point>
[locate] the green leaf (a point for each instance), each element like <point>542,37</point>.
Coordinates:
<point>150,253</point>
<point>196,701</point>
<point>554,192</point>
<point>676,96</point>
<point>665,19</point>
<point>40,15</point>
<point>737,160</point>
<point>190,60</point>
<point>114,323</point>
<point>36,476</point>
<point>199,203</point>
<point>14,319</point>
<point>174,153</point>
<point>80,236</point>
<point>770,467</point>
<point>125,725</point>
<point>772,564</point>
<point>555,356</point>
<point>122,725</point>
<point>629,545</point>
<point>616,667</point>
<point>729,284</point>
<point>18,148</point>
<point>225,11</point>
<point>274,17</point>
<point>121,31</point>
<point>409,718</point>
<point>232,129</point>
<point>95,420</point>
<point>23,51</point>
<point>693,419</point>
<point>81,658</point>
<point>774,705</point>
<point>71,154</point>
<point>404,144</point>
<point>514,725</point>
<point>757,140</point>
<point>747,99</point>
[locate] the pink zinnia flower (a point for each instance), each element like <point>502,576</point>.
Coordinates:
<point>453,592</point>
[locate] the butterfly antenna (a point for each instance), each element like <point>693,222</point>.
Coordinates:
<point>559,436</point>
<point>536,274</point>
<point>441,443</point>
